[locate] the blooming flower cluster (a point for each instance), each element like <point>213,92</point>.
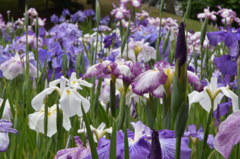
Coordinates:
<point>125,89</point>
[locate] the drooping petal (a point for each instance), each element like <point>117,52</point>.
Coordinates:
<point>226,64</point>
<point>159,92</point>
<point>168,146</point>
<point>194,81</point>
<point>139,149</point>
<point>227,92</point>
<point>36,121</point>
<point>228,134</point>
<point>4,141</point>
<point>148,81</point>
<point>202,97</point>
<point>38,100</point>
<point>71,102</point>
<point>11,68</point>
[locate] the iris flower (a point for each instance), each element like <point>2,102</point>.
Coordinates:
<point>79,152</point>
<point>229,37</point>
<point>139,51</point>
<point>212,92</point>
<point>140,144</point>
<point>159,80</point>
<point>5,128</point>
<point>70,100</point>
<point>228,134</point>
<point>36,121</point>
<point>99,132</point>
<point>14,66</point>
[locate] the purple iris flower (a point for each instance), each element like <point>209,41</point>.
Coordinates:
<point>5,128</point>
<point>105,20</point>
<point>140,144</point>
<point>221,110</point>
<point>112,40</point>
<point>54,18</point>
<point>230,37</point>
<point>65,12</point>
<point>79,152</point>
<point>78,17</point>
<point>193,132</point>
<point>89,12</point>
<point>226,64</point>
<point>149,34</point>
<point>228,134</point>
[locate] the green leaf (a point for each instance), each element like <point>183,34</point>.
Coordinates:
<point>113,146</point>
<point>90,136</point>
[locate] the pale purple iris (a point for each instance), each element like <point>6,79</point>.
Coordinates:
<point>79,16</point>
<point>229,37</point>
<point>140,144</point>
<point>5,128</point>
<point>15,65</point>
<point>228,134</point>
<point>119,69</point>
<point>120,12</point>
<point>134,3</point>
<point>79,152</point>
<point>149,33</point>
<point>89,13</point>
<point>54,18</point>
<point>193,132</point>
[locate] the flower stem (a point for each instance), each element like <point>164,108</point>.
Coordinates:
<point>178,147</point>
<point>207,131</point>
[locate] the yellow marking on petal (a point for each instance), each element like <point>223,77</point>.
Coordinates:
<point>109,68</point>
<point>68,92</point>
<point>170,74</point>
<point>137,50</point>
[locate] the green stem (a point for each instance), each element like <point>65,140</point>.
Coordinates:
<point>113,96</point>
<point>167,112</point>
<point>178,147</point>
<point>206,132</point>
<point>120,118</point>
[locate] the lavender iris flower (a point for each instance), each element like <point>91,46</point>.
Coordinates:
<point>89,13</point>
<point>79,152</point>
<point>229,37</point>
<point>78,17</point>
<point>105,20</point>
<point>193,132</point>
<point>226,64</point>
<point>140,144</point>
<point>228,134</point>
<point>5,128</point>
<point>54,18</point>
<point>65,12</point>
<point>112,40</point>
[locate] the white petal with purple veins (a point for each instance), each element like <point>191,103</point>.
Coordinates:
<point>148,81</point>
<point>228,134</point>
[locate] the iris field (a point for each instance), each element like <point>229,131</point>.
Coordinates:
<point>123,86</point>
